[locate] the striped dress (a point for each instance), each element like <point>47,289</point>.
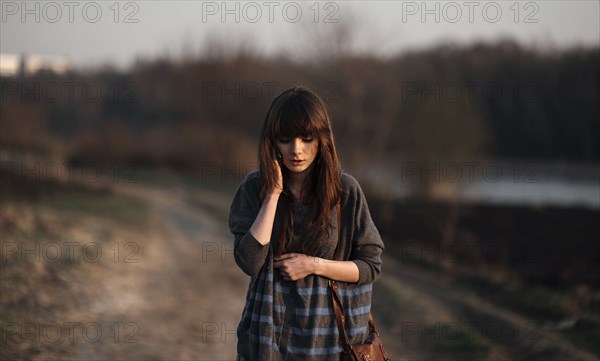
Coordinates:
<point>294,320</point>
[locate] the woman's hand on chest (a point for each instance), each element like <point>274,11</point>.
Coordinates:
<point>295,266</point>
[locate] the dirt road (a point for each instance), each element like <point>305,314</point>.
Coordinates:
<point>184,297</point>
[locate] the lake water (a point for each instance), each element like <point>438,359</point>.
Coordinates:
<point>495,182</point>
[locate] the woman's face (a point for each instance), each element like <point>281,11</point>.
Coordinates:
<point>303,149</point>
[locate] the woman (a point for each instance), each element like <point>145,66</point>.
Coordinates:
<point>285,224</point>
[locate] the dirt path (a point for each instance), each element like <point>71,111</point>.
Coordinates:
<point>168,300</point>
<point>183,300</point>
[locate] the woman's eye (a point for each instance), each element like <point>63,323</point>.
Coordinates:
<point>286,140</point>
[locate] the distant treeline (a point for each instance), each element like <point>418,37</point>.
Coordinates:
<point>445,103</point>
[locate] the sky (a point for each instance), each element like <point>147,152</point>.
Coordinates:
<point>95,33</point>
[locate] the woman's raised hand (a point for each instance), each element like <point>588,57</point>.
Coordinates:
<point>279,186</point>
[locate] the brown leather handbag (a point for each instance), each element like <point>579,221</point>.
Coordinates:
<point>372,349</point>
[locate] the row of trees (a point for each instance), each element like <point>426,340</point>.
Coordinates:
<point>448,103</point>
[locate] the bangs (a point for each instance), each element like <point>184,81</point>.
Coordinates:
<point>293,120</point>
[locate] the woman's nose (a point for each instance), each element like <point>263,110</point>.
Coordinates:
<point>296,145</point>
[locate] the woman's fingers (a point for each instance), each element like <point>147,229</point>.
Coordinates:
<point>289,267</point>
<point>287,277</point>
<point>278,188</point>
<point>280,261</point>
<point>286,256</point>
<point>279,176</point>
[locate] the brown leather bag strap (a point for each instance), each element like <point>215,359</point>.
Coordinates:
<point>372,324</point>
<point>338,310</point>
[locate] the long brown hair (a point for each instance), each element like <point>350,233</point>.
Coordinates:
<point>298,112</point>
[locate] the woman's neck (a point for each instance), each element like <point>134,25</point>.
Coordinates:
<point>296,179</point>
<point>296,182</point>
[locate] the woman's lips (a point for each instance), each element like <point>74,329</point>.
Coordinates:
<point>297,162</point>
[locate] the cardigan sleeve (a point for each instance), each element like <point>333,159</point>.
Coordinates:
<point>367,245</point>
<point>248,252</point>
